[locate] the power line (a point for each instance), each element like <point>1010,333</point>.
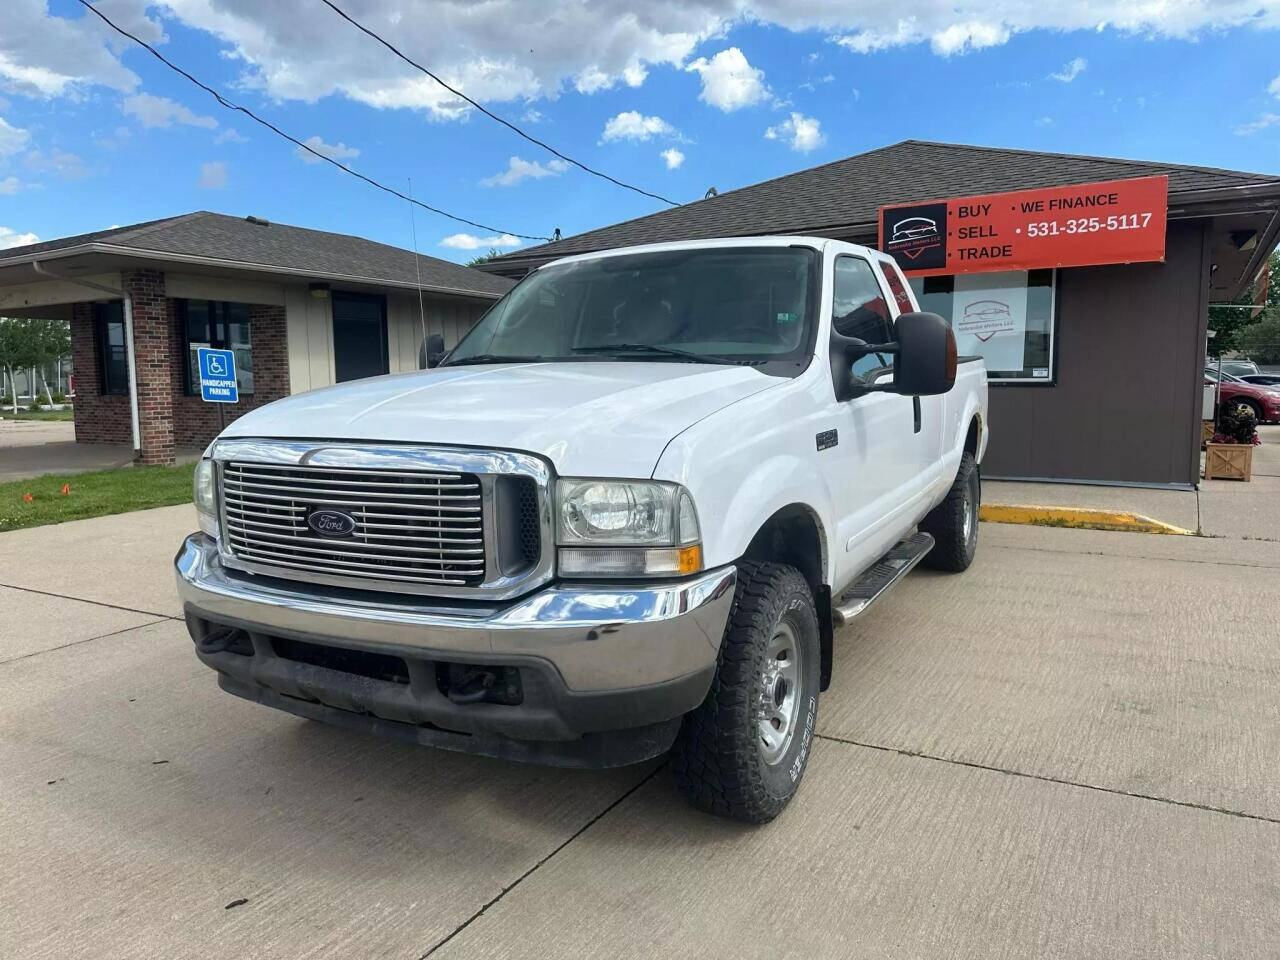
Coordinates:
<point>487,112</point>
<point>276,130</point>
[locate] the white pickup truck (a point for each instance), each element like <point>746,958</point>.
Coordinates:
<point>622,517</point>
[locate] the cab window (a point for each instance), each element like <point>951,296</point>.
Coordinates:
<point>859,309</point>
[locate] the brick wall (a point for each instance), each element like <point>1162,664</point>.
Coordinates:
<point>99,418</point>
<point>152,339</point>
<point>195,422</point>
<point>168,418</point>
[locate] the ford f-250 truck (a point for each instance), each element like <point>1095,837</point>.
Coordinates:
<point>623,516</point>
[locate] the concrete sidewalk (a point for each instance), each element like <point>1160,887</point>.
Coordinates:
<point>1067,751</point>
<point>1217,508</point>
<point>33,448</point>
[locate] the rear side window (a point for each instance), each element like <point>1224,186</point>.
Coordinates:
<point>897,286</point>
<point>859,309</point>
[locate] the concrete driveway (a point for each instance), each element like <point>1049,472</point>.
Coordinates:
<point>1069,751</point>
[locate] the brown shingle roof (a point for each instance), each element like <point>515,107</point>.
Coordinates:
<point>849,192</point>
<point>279,246</point>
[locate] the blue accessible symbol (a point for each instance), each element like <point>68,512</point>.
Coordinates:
<point>217,376</point>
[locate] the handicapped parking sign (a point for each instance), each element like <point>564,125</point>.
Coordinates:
<point>217,376</point>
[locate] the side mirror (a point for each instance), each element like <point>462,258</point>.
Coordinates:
<point>925,361</point>
<point>431,352</point>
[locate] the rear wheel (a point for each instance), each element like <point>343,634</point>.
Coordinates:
<point>742,753</point>
<point>954,522</point>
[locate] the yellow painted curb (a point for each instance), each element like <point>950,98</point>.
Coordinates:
<point>1077,517</point>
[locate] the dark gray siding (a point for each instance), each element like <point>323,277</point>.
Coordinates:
<point>1126,406</point>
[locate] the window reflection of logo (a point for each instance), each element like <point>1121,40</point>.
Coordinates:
<point>985,318</point>
<point>914,228</point>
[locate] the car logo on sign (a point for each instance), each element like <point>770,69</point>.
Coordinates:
<point>331,523</point>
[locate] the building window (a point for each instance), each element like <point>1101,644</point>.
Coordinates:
<point>113,362</point>
<point>224,326</point>
<point>1005,318</point>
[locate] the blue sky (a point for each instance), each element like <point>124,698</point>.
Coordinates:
<point>93,132</point>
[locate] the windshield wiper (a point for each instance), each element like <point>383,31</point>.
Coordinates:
<point>491,358</point>
<point>656,352</point>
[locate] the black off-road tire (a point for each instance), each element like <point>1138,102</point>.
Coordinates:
<point>719,758</point>
<point>957,542</point>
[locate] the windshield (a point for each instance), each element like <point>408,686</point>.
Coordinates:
<point>712,305</point>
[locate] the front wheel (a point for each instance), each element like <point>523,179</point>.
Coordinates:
<point>742,753</point>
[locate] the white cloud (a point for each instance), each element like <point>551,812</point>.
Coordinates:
<point>1070,70</point>
<point>334,151</point>
<point>729,82</point>
<point>1274,87</point>
<point>162,112</point>
<point>1264,122</point>
<point>230,135</point>
<point>801,133</point>
<point>9,185</point>
<point>469,241</point>
<point>532,116</point>
<point>12,139</point>
<point>520,169</point>
<point>486,48</point>
<point>61,163</point>
<point>45,55</point>
<point>967,36</point>
<point>213,175</point>
<point>633,125</point>
<point>1044,121</point>
<point>11,238</point>
<point>673,157</point>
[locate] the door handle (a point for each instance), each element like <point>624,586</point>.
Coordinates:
<point>915,409</point>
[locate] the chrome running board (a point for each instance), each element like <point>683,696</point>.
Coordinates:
<point>879,577</point>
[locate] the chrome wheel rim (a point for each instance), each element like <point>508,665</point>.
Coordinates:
<point>969,511</point>
<point>779,702</point>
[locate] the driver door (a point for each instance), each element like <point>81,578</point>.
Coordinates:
<point>872,472</point>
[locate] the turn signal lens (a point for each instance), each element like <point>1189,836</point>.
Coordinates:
<point>630,561</point>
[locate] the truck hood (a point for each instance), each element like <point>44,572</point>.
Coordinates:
<point>588,419</point>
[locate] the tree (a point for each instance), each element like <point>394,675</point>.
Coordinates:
<point>493,254</point>
<point>1234,326</point>
<point>1260,340</point>
<point>32,342</point>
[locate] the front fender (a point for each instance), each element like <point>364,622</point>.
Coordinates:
<point>747,463</point>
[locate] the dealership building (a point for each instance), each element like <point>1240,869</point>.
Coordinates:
<point>1096,367</point>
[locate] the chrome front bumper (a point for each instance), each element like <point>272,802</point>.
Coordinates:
<point>598,638</point>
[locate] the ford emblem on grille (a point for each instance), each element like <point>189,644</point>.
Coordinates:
<point>331,523</point>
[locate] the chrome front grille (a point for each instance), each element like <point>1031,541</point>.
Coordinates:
<point>411,527</point>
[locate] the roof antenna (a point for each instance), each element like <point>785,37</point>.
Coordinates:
<point>417,264</point>
<point>711,192</point>
<point>556,235</point>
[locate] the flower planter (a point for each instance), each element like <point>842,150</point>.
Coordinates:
<point>1228,461</point>
<point>1207,430</point>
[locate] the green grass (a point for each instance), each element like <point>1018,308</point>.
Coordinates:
<point>92,494</point>
<point>50,415</point>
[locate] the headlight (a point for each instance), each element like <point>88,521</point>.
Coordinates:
<point>205,495</point>
<point>626,528</point>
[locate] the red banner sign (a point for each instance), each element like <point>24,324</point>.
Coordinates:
<point>1119,221</point>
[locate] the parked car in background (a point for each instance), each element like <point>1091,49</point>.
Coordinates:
<point>1262,379</point>
<point>1237,368</point>
<point>1263,400</point>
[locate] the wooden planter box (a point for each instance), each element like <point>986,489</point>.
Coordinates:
<point>1228,461</point>
<point>1207,429</point>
